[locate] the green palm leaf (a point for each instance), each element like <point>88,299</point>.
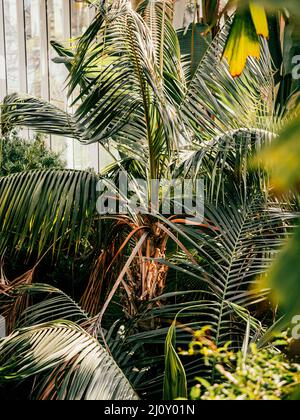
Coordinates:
<point>217,103</point>
<point>67,362</point>
<point>42,209</point>
<point>38,115</point>
<point>221,290</point>
<point>56,305</point>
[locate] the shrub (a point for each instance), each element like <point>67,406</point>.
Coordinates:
<point>264,374</point>
<point>18,154</point>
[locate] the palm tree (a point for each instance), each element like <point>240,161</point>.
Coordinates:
<point>131,90</point>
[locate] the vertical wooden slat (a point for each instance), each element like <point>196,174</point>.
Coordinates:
<point>22,55</point>
<point>44,54</point>
<point>67,35</point>
<point>22,46</point>
<point>3,70</point>
<point>67,29</point>
<point>179,11</point>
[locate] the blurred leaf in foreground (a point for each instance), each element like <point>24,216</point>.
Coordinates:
<point>282,158</point>
<point>284,277</point>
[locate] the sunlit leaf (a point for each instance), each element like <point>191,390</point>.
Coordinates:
<point>284,278</point>
<point>259,18</point>
<point>69,363</point>
<point>243,40</point>
<point>175,385</point>
<point>282,158</point>
<point>46,209</point>
<point>242,43</point>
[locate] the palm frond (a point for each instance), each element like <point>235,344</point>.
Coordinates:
<point>46,209</point>
<point>54,305</point>
<point>249,238</point>
<point>38,115</point>
<point>221,290</point>
<point>225,163</point>
<point>67,363</point>
<point>216,102</point>
<point>158,15</point>
<point>126,100</point>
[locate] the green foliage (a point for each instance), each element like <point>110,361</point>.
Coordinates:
<point>127,80</point>
<point>281,160</point>
<point>282,157</point>
<point>193,44</point>
<point>45,220</point>
<point>284,277</point>
<point>264,374</point>
<point>175,385</point>
<point>47,350</point>
<point>18,155</point>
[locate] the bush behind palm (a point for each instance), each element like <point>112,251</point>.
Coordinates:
<point>18,154</point>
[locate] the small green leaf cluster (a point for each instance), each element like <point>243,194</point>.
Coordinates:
<point>260,374</point>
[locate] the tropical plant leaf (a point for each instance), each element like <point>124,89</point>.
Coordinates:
<point>57,305</point>
<point>175,384</point>
<point>38,115</point>
<point>225,163</point>
<point>291,5</point>
<point>67,362</point>
<point>158,16</point>
<point>216,103</point>
<point>221,290</point>
<point>242,43</point>
<point>283,278</point>
<point>259,18</point>
<point>243,39</point>
<point>249,239</point>
<point>46,209</point>
<point>282,158</point>
<point>193,43</point>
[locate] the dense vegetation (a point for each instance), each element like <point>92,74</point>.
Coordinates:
<point>18,155</point>
<point>104,306</point>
